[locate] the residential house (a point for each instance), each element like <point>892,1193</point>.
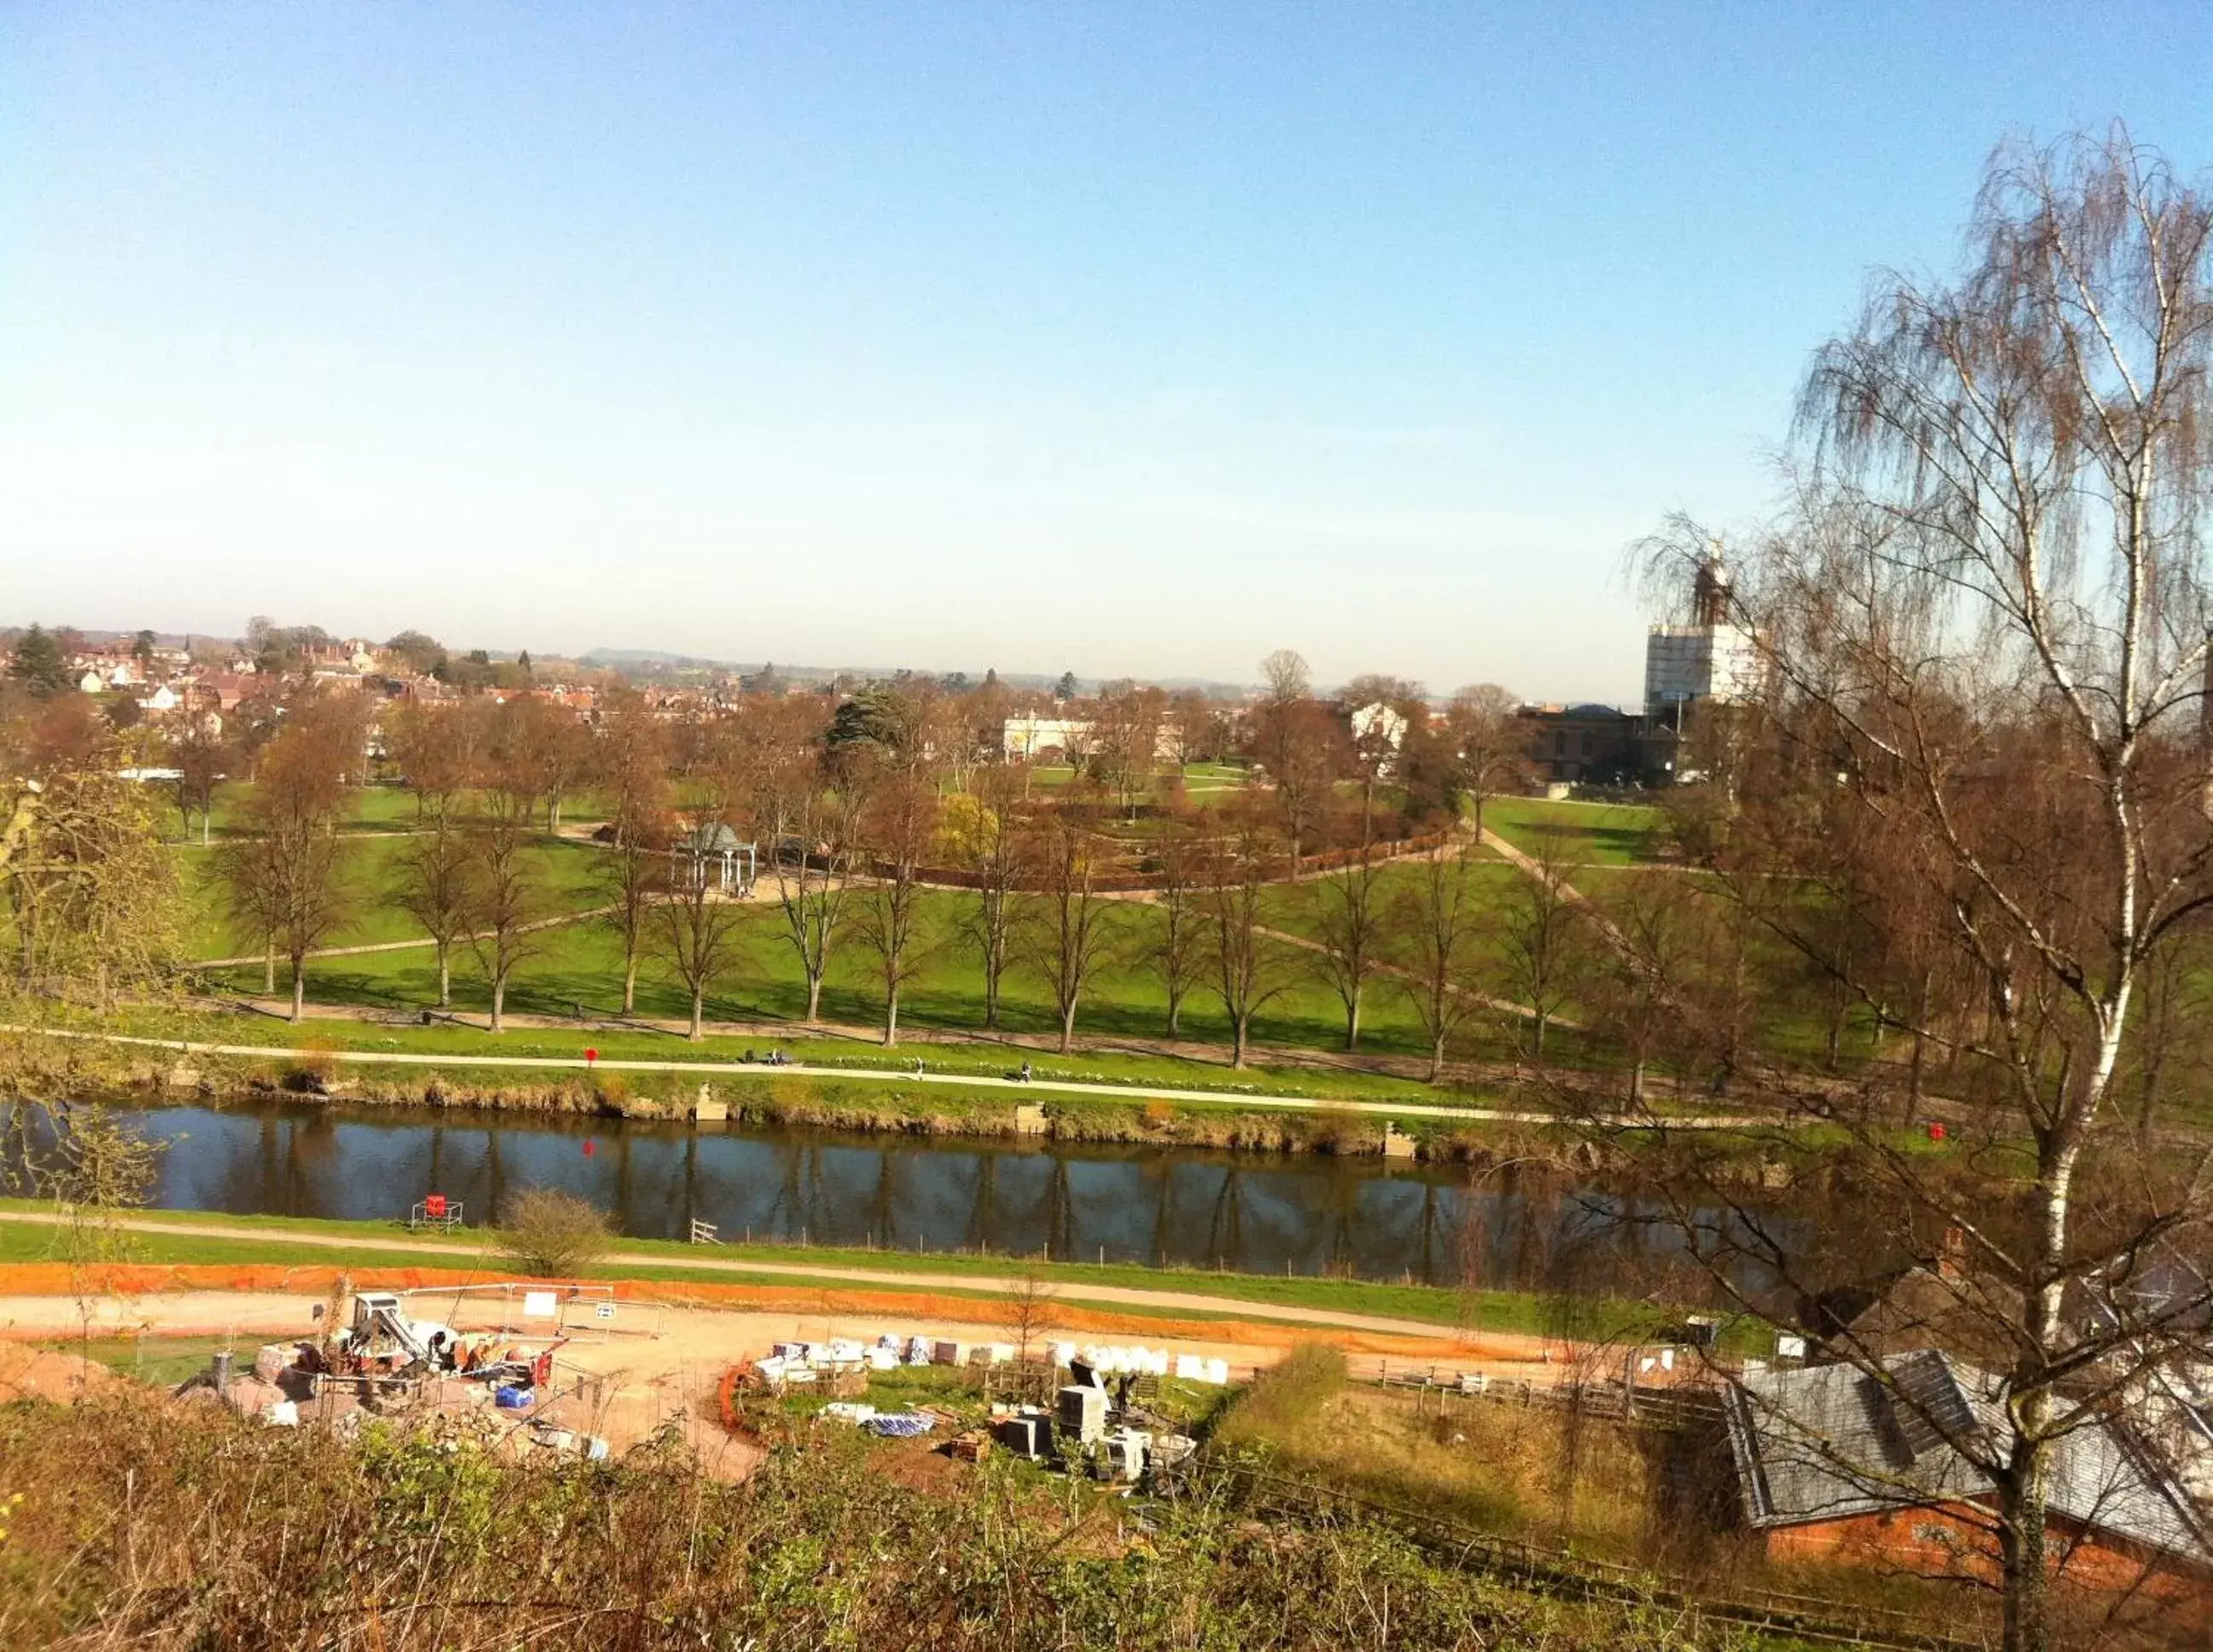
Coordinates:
<point>1834,1462</point>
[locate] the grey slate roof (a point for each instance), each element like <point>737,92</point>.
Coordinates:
<point>1827,1441</point>
<point>716,838</point>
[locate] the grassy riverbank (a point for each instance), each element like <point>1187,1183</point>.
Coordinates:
<point>390,1245</point>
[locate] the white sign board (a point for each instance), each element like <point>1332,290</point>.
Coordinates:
<point>604,1311</point>
<point>540,1305</point>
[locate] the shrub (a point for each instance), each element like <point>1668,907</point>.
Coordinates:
<point>550,1234</point>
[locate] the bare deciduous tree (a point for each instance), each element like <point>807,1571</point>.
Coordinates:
<point>632,762</point>
<point>1248,968</point>
<point>1067,927</point>
<point>697,932</point>
<point>202,762</point>
<point>983,837</point>
<point>900,826</point>
<point>1987,621</point>
<point>283,876</point>
<point>1178,950</point>
<point>811,863</point>
<point>1541,937</point>
<point>506,888</point>
<point>432,887</point>
<point>1434,934</point>
<point>1487,743</point>
<point>1298,744</point>
<point>1348,915</point>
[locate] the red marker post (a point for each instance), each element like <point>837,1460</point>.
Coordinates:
<point>590,1055</point>
<point>1937,1132</point>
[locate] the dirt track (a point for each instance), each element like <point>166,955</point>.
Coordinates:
<point>664,1363</point>
<point>1162,1302</point>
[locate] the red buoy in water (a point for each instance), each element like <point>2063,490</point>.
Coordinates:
<point>590,1147</point>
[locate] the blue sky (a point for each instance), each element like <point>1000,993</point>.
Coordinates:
<point>1127,339</point>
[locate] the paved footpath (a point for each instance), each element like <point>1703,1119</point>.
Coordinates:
<point>1065,1290</point>
<point>183,1049</point>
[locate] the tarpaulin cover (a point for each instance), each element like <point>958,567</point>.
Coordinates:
<point>903,1425</point>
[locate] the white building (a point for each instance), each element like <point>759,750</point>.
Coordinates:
<point>1030,738</point>
<point>1713,658</point>
<point>1686,664</point>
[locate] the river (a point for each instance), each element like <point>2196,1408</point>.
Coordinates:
<point>1256,1213</point>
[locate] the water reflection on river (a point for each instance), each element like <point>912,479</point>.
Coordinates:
<point>1300,1214</point>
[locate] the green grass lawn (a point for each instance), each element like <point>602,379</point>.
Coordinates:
<point>1136,1068</point>
<point>1606,834</point>
<point>369,869</point>
<point>372,1244</point>
<point>581,965</point>
<point>380,807</point>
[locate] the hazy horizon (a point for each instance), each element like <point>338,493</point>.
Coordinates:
<point>1134,343</point>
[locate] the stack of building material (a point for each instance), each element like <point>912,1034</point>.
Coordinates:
<point>1025,1434</point>
<point>1083,1414</point>
<point>1126,1451</point>
<point>974,1447</point>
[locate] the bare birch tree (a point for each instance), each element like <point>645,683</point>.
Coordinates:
<point>1987,622</point>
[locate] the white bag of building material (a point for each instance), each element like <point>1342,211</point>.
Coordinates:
<point>839,1352</point>
<point>883,1359</point>
<point>1189,1368</point>
<point>788,1349</point>
<point>1217,1373</point>
<point>284,1414</point>
<point>1063,1352</point>
<point>892,1340</point>
<point>917,1351</point>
